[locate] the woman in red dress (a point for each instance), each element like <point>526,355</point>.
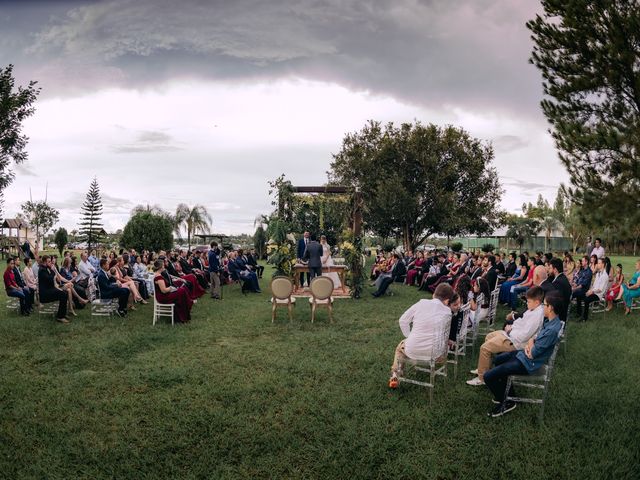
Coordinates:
<point>614,291</point>
<point>414,268</point>
<point>167,293</point>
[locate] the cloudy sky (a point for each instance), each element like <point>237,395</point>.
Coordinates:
<point>205,101</point>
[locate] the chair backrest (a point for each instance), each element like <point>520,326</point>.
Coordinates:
<point>281,287</point>
<point>321,287</point>
<point>493,305</point>
<point>440,346</point>
<point>464,326</point>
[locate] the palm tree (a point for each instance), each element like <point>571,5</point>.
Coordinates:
<point>549,223</point>
<point>193,219</point>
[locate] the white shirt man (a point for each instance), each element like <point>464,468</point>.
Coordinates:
<point>598,249</point>
<point>85,268</point>
<point>426,328</point>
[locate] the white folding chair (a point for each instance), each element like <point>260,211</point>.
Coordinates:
<point>163,310</point>
<point>50,308</point>
<point>281,291</point>
<point>538,381</point>
<point>461,339</point>
<point>321,289</point>
<point>100,307</point>
<point>434,365</point>
<point>491,316</point>
<point>13,303</point>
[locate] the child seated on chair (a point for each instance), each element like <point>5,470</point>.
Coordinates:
<point>528,360</point>
<point>513,337</point>
<point>420,325</point>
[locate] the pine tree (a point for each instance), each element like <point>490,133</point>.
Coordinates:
<point>90,224</point>
<point>589,56</point>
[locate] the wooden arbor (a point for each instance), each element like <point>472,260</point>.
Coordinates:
<point>355,222</point>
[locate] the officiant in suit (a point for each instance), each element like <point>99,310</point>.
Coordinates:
<point>313,254</point>
<point>302,246</point>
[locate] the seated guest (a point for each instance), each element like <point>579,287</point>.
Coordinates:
<point>593,264</point>
<point>476,271</point>
<point>420,325</point>
<point>169,294</point>
<point>438,270</point>
<point>595,293</point>
<point>20,280</point>
<point>116,269</point>
<point>188,269</point>
<point>481,310</point>
<point>48,291</point>
<point>395,275</point>
<point>110,288</point>
<point>245,273</point>
<point>631,290</point>
<point>86,269</point>
<point>453,270</point>
<point>94,260</point>
<point>175,270</point>
<point>527,360</point>
<point>14,290</point>
<point>127,271</point>
<point>511,267</point>
<point>518,276</point>
<point>516,290</point>
<point>582,279</point>
<point>615,290</point>
<point>561,285</point>
<point>500,268</point>
<point>66,281</point>
<point>491,274</point>
<point>464,290</point>
<point>253,262</point>
<point>30,280</point>
<point>140,268</point>
<point>514,336</point>
<point>414,268</point>
<point>569,265</point>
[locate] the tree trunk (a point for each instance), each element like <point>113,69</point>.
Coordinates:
<point>635,244</point>
<point>406,240</point>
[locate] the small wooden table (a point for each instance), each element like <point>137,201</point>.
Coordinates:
<point>299,268</point>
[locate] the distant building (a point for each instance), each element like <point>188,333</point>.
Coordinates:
<point>499,239</point>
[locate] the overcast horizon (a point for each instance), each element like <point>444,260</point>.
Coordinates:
<point>207,102</point>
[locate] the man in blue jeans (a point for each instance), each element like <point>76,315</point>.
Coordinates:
<point>527,361</point>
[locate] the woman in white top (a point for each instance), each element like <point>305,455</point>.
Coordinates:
<point>327,261</point>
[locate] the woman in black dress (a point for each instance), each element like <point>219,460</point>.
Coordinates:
<point>49,292</point>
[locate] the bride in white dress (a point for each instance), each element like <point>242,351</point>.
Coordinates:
<point>327,261</point>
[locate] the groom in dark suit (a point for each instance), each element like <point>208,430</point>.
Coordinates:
<point>313,254</point>
<point>302,246</point>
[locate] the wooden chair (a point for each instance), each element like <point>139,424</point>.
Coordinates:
<point>321,289</point>
<point>281,291</point>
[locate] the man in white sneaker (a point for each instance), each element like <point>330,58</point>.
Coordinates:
<point>513,337</point>
<point>420,324</point>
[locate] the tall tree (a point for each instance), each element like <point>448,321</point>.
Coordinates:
<point>589,56</point>
<point>521,228</point>
<point>15,107</point>
<point>419,180</point>
<point>192,219</point>
<point>90,223</point>
<point>61,238</point>
<point>40,216</point>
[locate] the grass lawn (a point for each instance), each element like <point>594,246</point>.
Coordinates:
<point>232,395</point>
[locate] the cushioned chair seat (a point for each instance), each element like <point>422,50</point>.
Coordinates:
<point>283,300</point>
<point>325,301</point>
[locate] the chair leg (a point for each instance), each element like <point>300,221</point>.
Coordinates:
<point>330,312</point>
<point>273,313</point>
<point>290,312</point>
<point>313,312</point>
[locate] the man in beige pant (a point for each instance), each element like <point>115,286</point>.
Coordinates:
<point>514,337</point>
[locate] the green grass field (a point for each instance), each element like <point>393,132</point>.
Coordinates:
<point>232,395</point>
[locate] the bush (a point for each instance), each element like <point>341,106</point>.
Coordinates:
<point>148,231</point>
<point>456,246</point>
<point>388,247</point>
<point>488,247</point>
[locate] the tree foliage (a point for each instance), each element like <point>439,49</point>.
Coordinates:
<point>260,241</point>
<point>61,238</point>
<point>193,219</point>
<point>419,180</point>
<point>589,56</point>
<point>15,107</point>
<point>521,228</point>
<point>40,216</point>
<point>90,222</point>
<point>147,230</point>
